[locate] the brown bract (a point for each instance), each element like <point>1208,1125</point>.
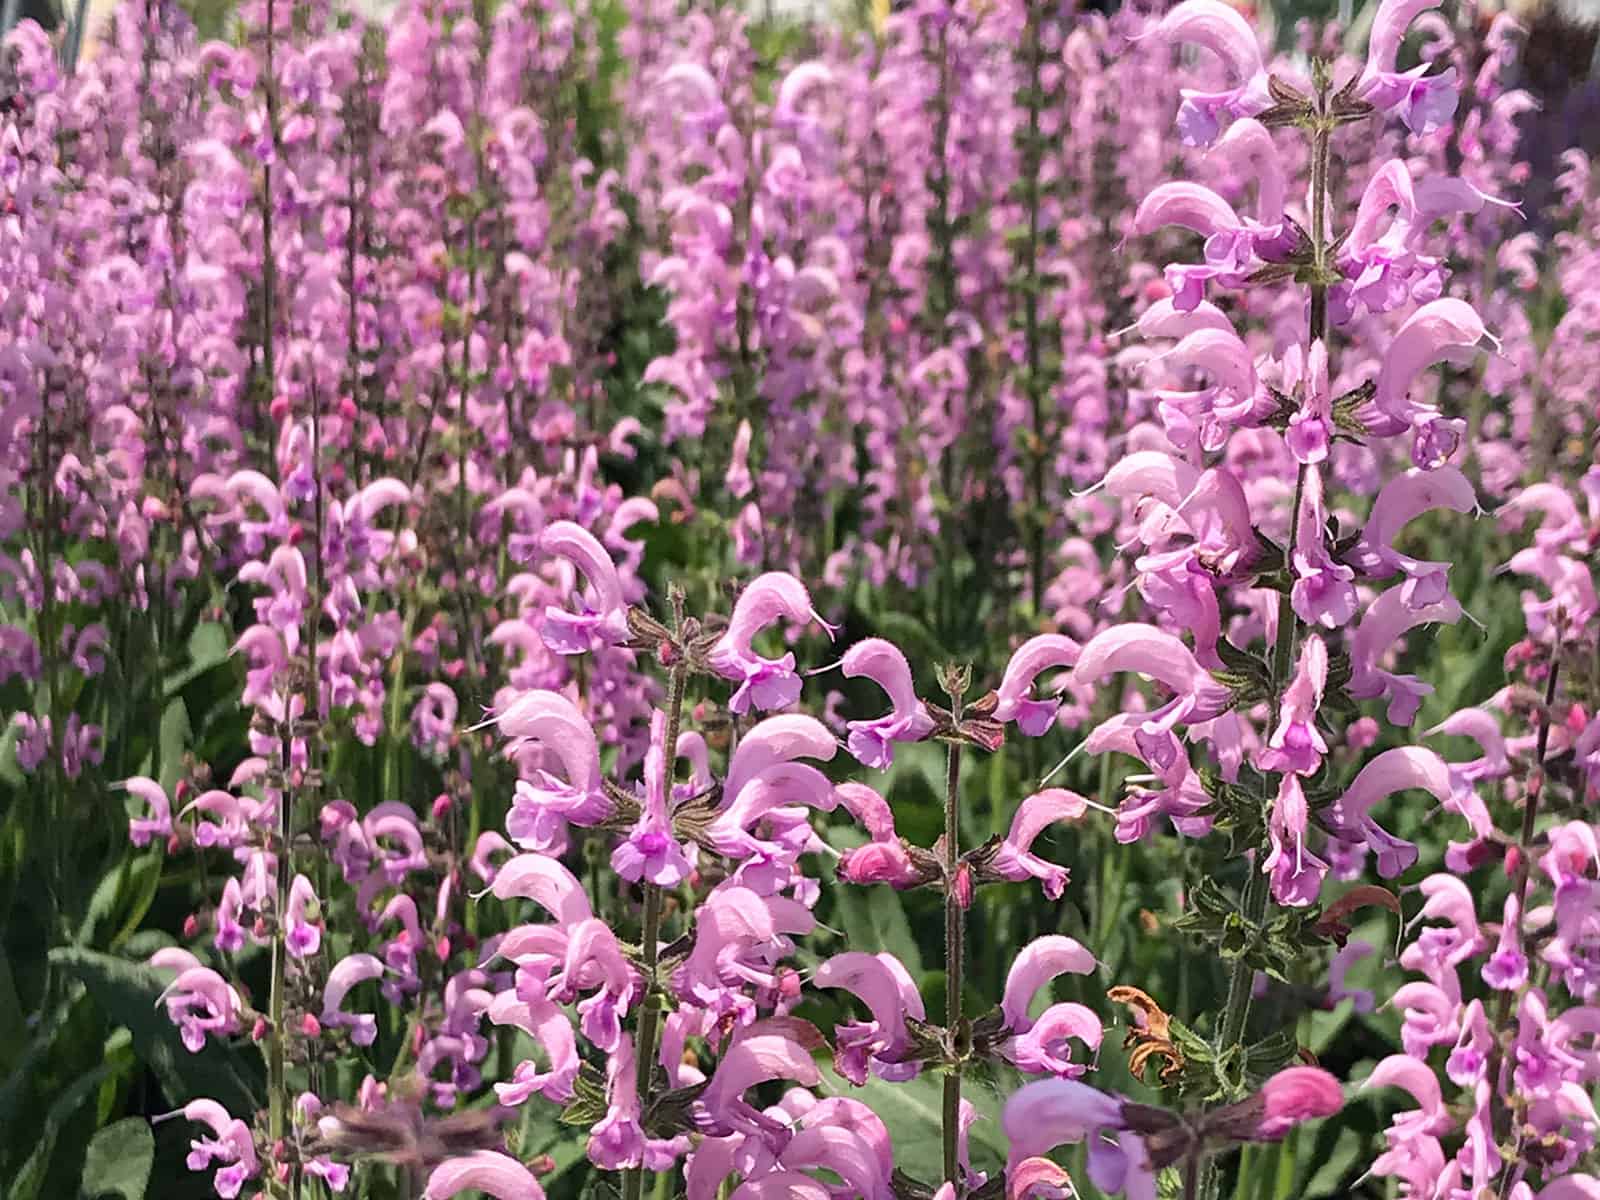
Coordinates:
<point>1150,1034</point>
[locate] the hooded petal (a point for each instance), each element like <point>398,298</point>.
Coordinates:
<point>1040,961</point>
<point>487,1171</point>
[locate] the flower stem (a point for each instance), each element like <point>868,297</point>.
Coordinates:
<point>954,939</point>
<point>650,937</point>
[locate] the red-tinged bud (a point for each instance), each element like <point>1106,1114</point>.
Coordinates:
<point>962,887</point>
<point>441,806</point>
<point>1156,289</point>
<point>191,925</point>
<point>348,409</point>
<point>281,1168</point>
<point>174,843</point>
<point>180,793</point>
<point>259,1031</point>
<point>541,1164</point>
<point>1577,720</point>
<point>1513,859</point>
<point>260,929</point>
<point>417,1039</point>
<point>442,948</point>
<point>789,984</point>
<point>469,942</point>
<point>279,408</point>
<point>310,1026</point>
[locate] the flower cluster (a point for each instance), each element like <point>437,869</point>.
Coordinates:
<point>387,408</point>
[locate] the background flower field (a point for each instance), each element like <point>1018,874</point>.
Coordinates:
<point>471,486</point>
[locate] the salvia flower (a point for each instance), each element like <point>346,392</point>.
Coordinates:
<point>764,683</point>
<point>872,742</point>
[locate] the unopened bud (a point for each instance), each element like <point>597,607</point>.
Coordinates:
<point>259,1031</point>
<point>310,1026</point>
<point>191,925</point>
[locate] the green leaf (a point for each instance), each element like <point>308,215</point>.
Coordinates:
<point>34,1173</point>
<point>119,1161</point>
<point>126,994</point>
<point>874,920</point>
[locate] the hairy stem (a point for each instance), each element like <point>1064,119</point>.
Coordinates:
<point>1253,902</point>
<point>650,938</point>
<point>954,947</point>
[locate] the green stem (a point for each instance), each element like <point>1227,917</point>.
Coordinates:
<point>650,938</point>
<point>1253,902</point>
<point>954,946</point>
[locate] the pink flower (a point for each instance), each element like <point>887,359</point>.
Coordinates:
<point>1160,655</point>
<point>1040,961</point>
<point>765,683</point>
<point>1295,1095</point>
<point>1425,102</point>
<point>1507,968</point>
<point>872,742</point>
<point>159,823</point>
<point>650,852</point>
<point>201,1003</point>
<point>1047,651</point>
<point>1297,873</point>
<point>890,994</point>
<point>1014,859</point>
<point>302,937</point>
<point>350,970</point>
<point>1296,744</point>
<point>600,622</point>
<point>230,1144</point>
<point>1322,593</point>
<point>1219,28</point>
<point>487,1171</point>
<point>546,1024</point>
<point>553,723</point>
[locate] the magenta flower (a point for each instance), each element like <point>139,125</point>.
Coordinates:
<point>159,823</point>
<point>1045,652</point>
<point>1424,102</point>
<point>346,974</point>
<point>1295,1095</point>
<point>1386,619</point>
<point>774,1048</point>
<point>872,742</point>
<point>600,621</point>
<point>1296,744</point>
<point>548,884</point>
<point>544,1022</point>
<point>1507,968</point>
<point>1219,28</point>
<point>1162,656</point>
<point>302,935</point>
<point>1297,873</point>
<point>201,1003</point>
<point>1014,859</point>
<point>486,1171</point>
<point>1040,961</point>
<point>650,852</point>
<point>1229,248</point>
<point>890,994</point>
<point>553,723</point>
<point>1443,330</point>
<point>1323,593</point>
<point>230,1144</point>
<point>1396,770</point>
<point>764,683</point>
<point>1404,498</point>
